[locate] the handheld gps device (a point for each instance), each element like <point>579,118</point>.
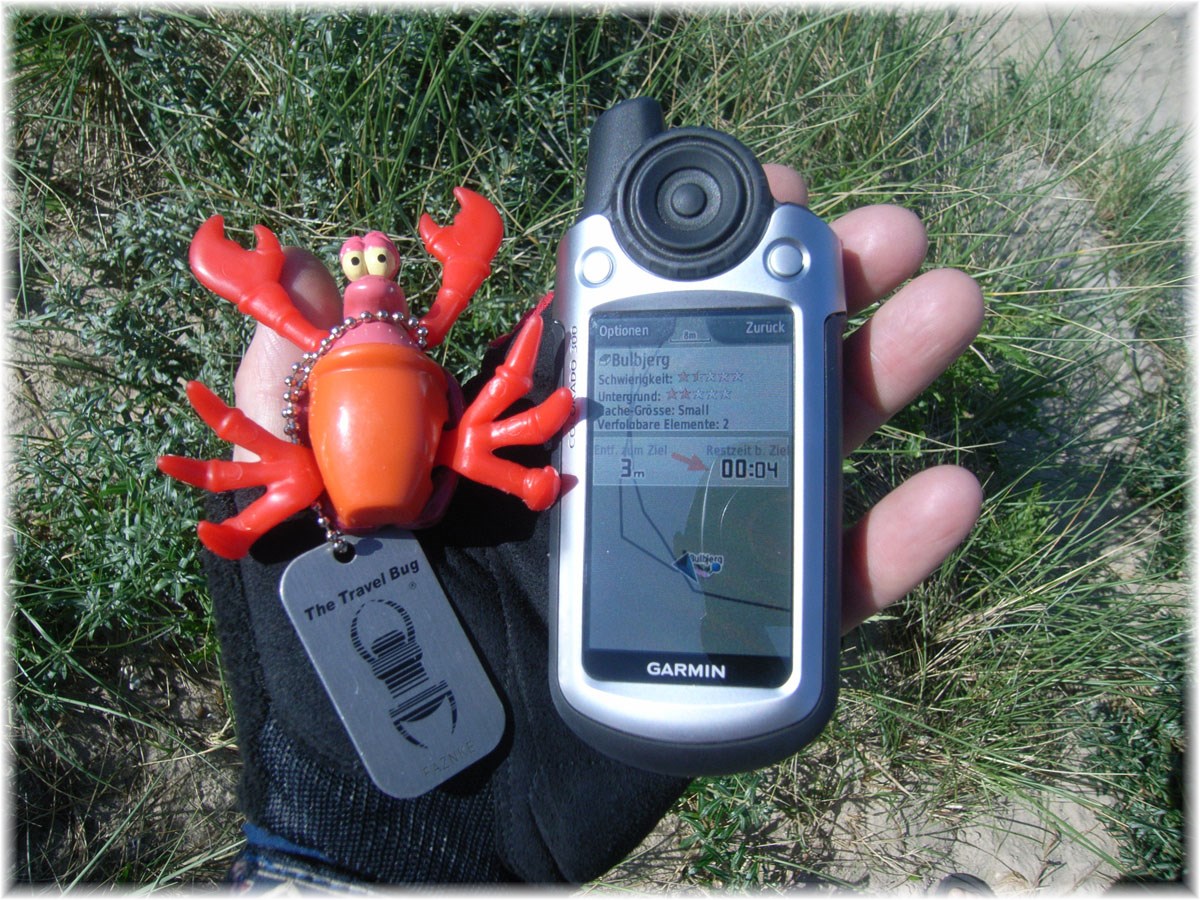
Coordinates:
<point>695,552</point>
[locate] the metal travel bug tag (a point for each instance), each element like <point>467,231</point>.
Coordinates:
<point>395,661</point>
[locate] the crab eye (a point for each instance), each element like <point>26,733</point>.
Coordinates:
<point>381,261</point>
<point>354,264</point>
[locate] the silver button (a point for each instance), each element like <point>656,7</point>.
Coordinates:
<point>596,267</point>
<point>785,259</point>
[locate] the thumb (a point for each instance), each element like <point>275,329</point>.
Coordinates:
<point>258,385</point>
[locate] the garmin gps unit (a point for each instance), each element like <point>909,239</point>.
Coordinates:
<point>695,552</point>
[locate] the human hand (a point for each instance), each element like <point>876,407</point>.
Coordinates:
<point>911,339</point>
<point>546,806</point>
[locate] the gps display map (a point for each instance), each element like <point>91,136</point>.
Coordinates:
<point>690,467</point>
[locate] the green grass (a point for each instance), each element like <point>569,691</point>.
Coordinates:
<point>1046,659</point>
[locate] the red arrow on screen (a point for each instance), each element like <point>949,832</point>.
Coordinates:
<point>694,463</point>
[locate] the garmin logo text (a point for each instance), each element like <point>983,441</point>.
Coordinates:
<point>685,670</point>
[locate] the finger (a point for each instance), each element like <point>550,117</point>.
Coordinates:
<point>787,185</point>
<point>904,537</point>
<point>882,246</point>
<point>258,385</point>
<point>904,346</point>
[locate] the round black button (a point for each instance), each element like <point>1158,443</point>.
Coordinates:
<point>691,202</point>
<point>688,200</point>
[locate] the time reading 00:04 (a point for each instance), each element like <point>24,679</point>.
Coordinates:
<point>739,468</point>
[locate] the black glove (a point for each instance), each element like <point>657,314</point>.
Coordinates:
<point>542,807</point>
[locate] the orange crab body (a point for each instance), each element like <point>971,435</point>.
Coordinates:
<point>378,429</point>
<point>375,471</point>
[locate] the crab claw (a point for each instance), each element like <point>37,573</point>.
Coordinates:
<point>289,472</point>
<point>465,249</point>
<point>250,279</point>
<point>477,230</point>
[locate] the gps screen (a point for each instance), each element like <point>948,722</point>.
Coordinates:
<point>689,520</point>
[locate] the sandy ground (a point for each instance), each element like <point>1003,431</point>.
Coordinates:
<point>1148,86</point>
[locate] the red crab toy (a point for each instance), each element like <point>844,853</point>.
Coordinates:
<point>378,427</point>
